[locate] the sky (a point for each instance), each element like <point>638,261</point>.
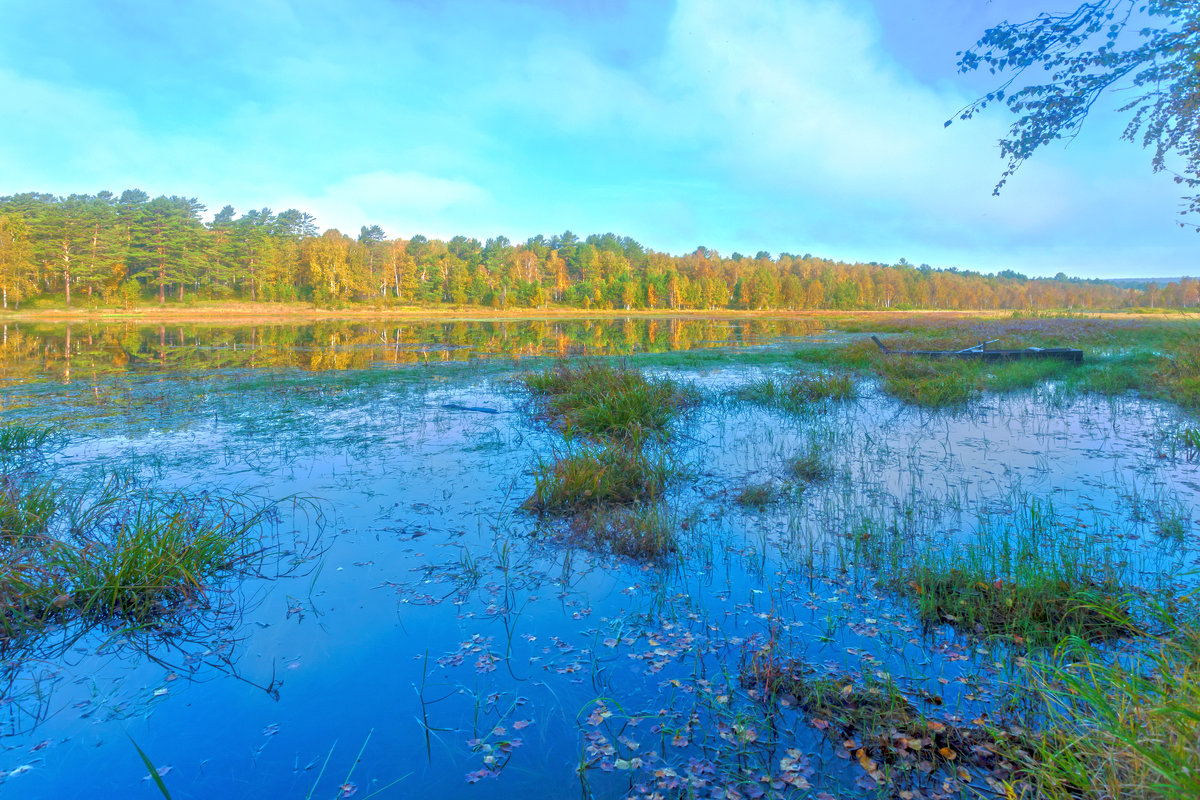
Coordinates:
<point>800,126</point>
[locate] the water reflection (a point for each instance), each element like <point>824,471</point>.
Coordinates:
<point>70,351</point>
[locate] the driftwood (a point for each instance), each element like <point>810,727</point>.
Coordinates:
<point>981,352</point>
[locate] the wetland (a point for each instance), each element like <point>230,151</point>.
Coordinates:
<point>604,558</point>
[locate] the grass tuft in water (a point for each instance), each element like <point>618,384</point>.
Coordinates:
<point>25,513</point>
<point>797,393</point>
<point>1025,577</point>
<point>758,496</point>
<point>930,383</point>
<point>615,403</point>
<point>642,531</point>
<point>17,438</point>
<point>810,466</point>
<point>1190,438</point>
<point>142,558</point>
<point>597,475</point>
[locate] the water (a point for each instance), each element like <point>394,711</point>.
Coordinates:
<point>431,637</point>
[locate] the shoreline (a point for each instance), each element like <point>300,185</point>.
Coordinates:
<point>251,313</point>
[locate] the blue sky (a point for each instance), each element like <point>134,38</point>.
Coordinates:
<point>779,125</point>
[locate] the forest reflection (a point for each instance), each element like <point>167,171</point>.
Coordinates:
<point>67,351</point>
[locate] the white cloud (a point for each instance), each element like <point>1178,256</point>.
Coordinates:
<point>403,203</point>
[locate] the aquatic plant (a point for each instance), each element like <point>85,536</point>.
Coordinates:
<point>642,531</point>
<point>1120,729</point>
<point>930,383</point>
<point>810,465</point>
<point>16,437</point>
<point>758,496</point>
<point>602,401</point>
<point>1022,579</point>
<point>597,475</point>
<point>797,393</point>
<point>25,511</point>
<point>142,557</point>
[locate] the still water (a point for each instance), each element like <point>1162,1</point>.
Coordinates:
<point>418,633</point>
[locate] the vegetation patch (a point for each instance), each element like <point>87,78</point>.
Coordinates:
<point>615,403</point>
<point>888,736</point>
<point>24,512</point>
<point>1126,729</point>
<point>810,466</point>
<point>642,531</point>
<point>18,438</point>
<point>1024,577</point>
<point>596,475</point>
<point>1038,606</point>
<point>758,496</point>
<point>930,383</point>
<point>1190,438</point>
<point>797,393</point>
<point>137,559</point>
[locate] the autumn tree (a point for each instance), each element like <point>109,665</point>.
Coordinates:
<point>1143,52</point>
<point>17,267</point>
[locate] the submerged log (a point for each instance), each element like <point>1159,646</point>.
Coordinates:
<point>981,352</point>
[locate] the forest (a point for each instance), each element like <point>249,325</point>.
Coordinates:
<point>123,250</point>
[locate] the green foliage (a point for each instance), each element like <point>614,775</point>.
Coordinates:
<point>797,393</point>
<point>597,475</point>
<point>1023,580</point>
<point>810,466</point>
<point>121,249</point>
<point>758,496</point>
<point>25,512</point>
<point>601,401</point>
<point>931,383</point>
<point>1124,729</point>
<point>15,437</point>
<point>641,531</point>
<point>1086,53</point>
<point>132,558</point>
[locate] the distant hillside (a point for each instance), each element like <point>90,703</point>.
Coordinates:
<point>1142,283</point>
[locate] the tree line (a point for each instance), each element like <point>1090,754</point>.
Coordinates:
<point>126,249</point>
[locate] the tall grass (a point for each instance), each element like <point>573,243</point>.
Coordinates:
<point>16,437</point>
<point>1129,729</point>
<point>1023,579</point>
<point>643,530</point>
<point>930,383</point>
<point>25,512</point>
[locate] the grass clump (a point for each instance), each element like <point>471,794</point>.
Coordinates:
<point>810,466</point>
<point>1190,438</point>
<point>1037,607</point>
<point>930,383</point>
<point>163,554</point>
<point>797,393</point>
<point>1122,730</point>
<point>597,475</point>
<point>1026,580</point>
<point>18,438</point>
<point>25,513</point>
<point>137,559</point>
<point>758,496</point>
<point>642,531</point>
<point>605,402</point>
